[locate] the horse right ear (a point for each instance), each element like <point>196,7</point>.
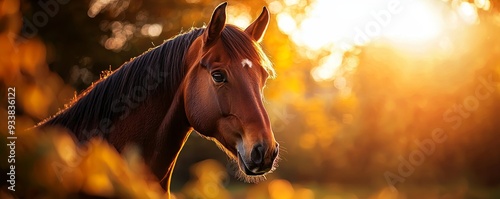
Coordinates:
<point>217,23</point>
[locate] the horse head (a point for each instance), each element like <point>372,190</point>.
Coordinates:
<point>223,93</point>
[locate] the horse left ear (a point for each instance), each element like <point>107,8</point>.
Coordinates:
<point>217,23</point>
<point>258,28</point>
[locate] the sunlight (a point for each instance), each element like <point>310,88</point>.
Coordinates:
<point>329,65</point>
<point>275,7</point>
<point>342,17</point>
<point>339,26</point>
<point>238,15</point>
<point>419,22</point>
<point>484,4</point>
<point>467,12</point>
<point>286,23</point>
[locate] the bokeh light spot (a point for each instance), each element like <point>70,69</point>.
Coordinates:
<point>468,12</point>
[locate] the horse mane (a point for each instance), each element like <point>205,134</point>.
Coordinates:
<point>164,62</point>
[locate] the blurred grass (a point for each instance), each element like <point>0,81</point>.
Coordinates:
<point>49,164</point>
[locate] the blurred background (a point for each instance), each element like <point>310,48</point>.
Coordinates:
<point>373,99</point>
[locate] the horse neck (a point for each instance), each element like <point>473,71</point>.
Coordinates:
<point>169,140</point>
<point>175,128</point>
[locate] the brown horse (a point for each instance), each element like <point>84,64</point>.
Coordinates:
<point>208,79</point>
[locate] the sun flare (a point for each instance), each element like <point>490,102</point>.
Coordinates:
<point>418,22</point>
<point>337,26</point>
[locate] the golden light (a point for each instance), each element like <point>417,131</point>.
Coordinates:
<point>155,30</point>
<point>337,26</point>
<point>483,4</point>
<point>275,6</point>
<point>419,22</point>
<point>291,2</point>
<point>329,65</point>
<point>286,23</point>
<point>98,6</point>
<point>238,15</point>
<point>467,12</point>
<point>281,189</point>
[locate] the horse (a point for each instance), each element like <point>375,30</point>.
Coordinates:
<point>209,80</point>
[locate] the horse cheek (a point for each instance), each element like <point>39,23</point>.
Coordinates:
<point>210,111</point>
<point>199,107</point>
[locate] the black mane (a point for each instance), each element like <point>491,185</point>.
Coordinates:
<point>160,69</point>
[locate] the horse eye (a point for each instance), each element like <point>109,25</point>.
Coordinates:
<point>218,77</point>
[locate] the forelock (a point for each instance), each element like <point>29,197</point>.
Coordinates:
<point>239,46</point>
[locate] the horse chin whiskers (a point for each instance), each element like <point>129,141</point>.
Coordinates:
<point>240,175</point>
<point>234,168</point>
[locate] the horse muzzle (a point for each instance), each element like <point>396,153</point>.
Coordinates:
<point>259,161</point>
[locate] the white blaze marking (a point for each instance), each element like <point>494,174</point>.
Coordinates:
<point>246,62</point>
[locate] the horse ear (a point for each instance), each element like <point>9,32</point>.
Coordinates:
<point>217,23</point>
<point>257,29</point>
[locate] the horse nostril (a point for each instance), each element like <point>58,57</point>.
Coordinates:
<point>257,154</point>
